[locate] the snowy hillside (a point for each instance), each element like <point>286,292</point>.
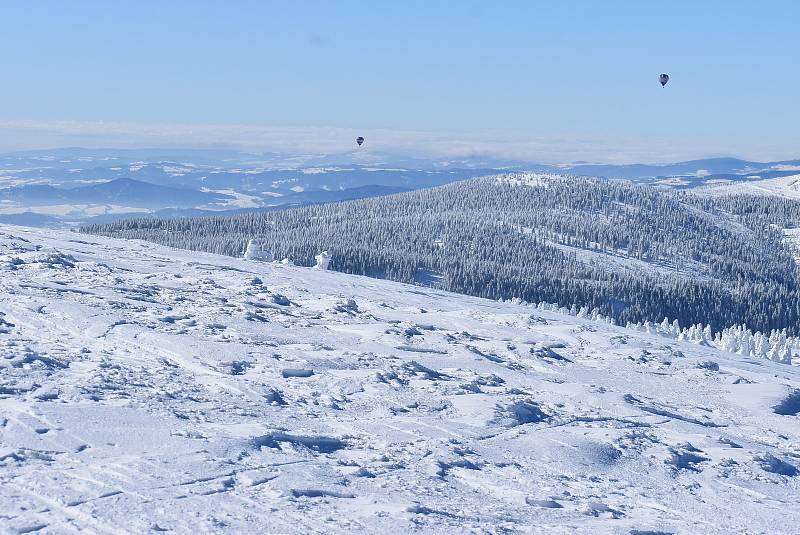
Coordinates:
<point>787,186</point>
<point>540,237</point>
<point>146,389</point>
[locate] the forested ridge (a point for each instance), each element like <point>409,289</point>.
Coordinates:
<point>636,253</point>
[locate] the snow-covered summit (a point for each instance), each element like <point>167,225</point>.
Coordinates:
<point>528,178</point>
<point>147,389</point>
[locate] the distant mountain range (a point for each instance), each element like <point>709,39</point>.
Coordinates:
<point>31,219</point>
<point>691,173</point>
<point>109,184</point>
<point>120,191</point>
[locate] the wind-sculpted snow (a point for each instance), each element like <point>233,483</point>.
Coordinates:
<point>145,389</point>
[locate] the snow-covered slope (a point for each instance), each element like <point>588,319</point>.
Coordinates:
<point>787,186</point>
<point>145,389</point>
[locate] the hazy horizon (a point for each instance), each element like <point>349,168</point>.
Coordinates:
<point>546,83</point>
<point>20,136</point>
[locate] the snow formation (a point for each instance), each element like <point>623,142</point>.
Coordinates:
<point>255,251</point>
<point>323,260</point>
<point>146,389</point>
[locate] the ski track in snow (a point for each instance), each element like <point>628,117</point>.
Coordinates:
<point>145,389</point>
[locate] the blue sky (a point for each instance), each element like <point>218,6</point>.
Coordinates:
<point>578,77</point>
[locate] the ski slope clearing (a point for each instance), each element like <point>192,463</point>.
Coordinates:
<point>145,389</point>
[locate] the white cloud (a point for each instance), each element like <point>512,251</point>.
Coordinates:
<point>544,147</point>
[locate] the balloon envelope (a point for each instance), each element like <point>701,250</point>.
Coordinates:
<point>663,78</point>
<point>359,140</point>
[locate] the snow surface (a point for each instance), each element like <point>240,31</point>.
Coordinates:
<point>145,389</point>
<point>787,186</point>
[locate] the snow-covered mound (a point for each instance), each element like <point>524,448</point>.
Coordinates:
<point>145,389</point>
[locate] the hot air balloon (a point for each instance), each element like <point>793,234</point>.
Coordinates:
<point>663,78</point>
<point>359,140</point>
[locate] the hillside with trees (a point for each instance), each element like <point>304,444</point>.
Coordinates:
<point>636,253</point>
